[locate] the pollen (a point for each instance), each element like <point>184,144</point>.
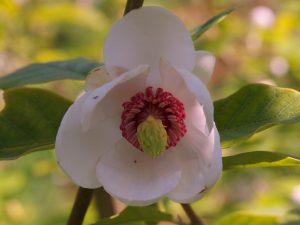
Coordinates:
<point>153,121</point>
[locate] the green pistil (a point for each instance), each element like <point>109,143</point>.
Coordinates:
<point>152,136</point>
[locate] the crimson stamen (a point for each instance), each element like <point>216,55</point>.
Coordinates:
<point>159,104</point>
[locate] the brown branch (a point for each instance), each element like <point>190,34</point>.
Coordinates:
<point>81,204</point>
<point>104,203</point>
<point>195,220</point>
<point>133,4</point>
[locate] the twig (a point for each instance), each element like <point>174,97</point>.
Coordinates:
<point>195,220</point>
<point>133,4</point>
<point>81,204</point>
<point>104,203</point>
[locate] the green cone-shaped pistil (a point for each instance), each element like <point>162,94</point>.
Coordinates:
<point>152,136</point>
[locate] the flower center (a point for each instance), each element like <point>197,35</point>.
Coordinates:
<point>152,136</point>
<point>153,121</point>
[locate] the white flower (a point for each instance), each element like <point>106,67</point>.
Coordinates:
<point>148,132</point>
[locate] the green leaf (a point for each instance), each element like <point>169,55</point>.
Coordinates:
<point>76,69</point>
<point>133,215</point>
<point>254,108</point>
<point>198,31</point>
<point>29,121</point>
<point>248,219</point>
<point>259,159</point>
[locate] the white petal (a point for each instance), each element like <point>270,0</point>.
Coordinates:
<point>214,170</point>
<point>200,91</point>
<point>115,71</point>
<point>205,63</point>
<point>191,92</point>
<point>78,152</point>
<point>96,78</point>
<point>91,126</point>
<point>145,35</point>
<point>135,178</point>
<point>192,182</point>
<point>199,143</point>
<point>106,102</point>
<point>201,162</point>
<point>196,116</point>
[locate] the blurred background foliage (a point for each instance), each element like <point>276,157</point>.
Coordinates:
<point>258,42</point>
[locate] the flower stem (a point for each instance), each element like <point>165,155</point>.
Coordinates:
<point>81,204</point>
<point>133,4</point>
<point>104,203</point>
<point>195,220</point>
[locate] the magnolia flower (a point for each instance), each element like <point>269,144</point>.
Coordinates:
<point>148,131</point>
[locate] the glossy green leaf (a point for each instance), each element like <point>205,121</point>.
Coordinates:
<point>198,31</point>
<point>248,219</point>
<point>132,215</point>
<point>76,69</point>
<point>259,159</point>
<point>254,108</point>
<point>29,121</point>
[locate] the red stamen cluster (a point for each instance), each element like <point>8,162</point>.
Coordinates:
<point>159,104</point>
